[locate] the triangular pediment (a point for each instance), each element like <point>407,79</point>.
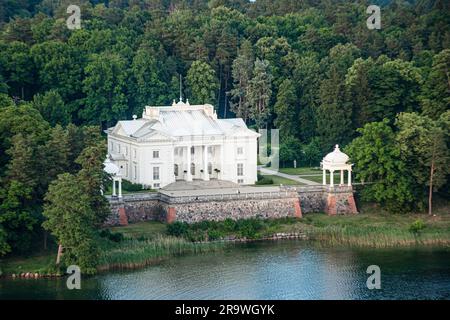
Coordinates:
<point>118,130</point>
<point>155,135</point>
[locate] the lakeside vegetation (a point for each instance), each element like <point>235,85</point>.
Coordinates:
<point>145,243</point>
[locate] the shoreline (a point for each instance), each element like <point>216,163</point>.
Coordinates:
<point>439,244</point>
<point>147,243</point>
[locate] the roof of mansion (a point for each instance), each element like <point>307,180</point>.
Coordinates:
<point>179,120</point>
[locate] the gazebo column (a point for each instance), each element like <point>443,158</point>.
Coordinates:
<point>188,162</point>
<point>324,177</point>
<point>205,163</point>
<point>349,178</point>
<point>120,187</point>
<point>114,187</point>
<point>331,178</point>
<point>342,178</point>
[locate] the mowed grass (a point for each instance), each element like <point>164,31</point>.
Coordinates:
<point>319,178</point>
<point>279,180</point>
<point>300,171</point>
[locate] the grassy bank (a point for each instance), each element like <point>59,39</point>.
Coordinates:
<point>366,229</point>
<point>150,242</point>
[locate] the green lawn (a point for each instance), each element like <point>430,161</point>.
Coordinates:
<point>279,180</point>
<point>300,171</point>
<point>318,179</point>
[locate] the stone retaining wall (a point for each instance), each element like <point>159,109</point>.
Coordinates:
<point>289,202</point>
<point>236,209</point>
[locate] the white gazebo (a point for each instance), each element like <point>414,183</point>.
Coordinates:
<point>336,161</point>
<point>114,171</point>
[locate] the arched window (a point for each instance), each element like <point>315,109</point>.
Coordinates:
<point>209,168</point>
<point>193,169</point>
<point>175,170</point>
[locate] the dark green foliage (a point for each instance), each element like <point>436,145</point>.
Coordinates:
<point>263,180</point>
<point>416,227</point>
<point>131,187</point>
<point>177,229</point>
<point>112,236</point>
<point>216,230</point>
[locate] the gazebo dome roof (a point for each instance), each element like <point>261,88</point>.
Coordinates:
<point>110,167</point>
<point>336,157</point>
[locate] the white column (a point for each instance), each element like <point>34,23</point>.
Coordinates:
<point>349,177</point>
<point>114,187</point>
<point>120,187</point>
<point>342,177</point>
<point>205,163</point>
<point>331,178</point>
<point>220,176</point>
<point>324,176</point>
<point>188,160</point>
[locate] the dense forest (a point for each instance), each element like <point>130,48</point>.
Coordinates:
<point>310,68</point>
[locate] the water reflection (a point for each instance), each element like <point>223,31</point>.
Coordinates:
<point>271,270</point>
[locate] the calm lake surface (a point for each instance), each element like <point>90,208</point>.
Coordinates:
<point>263,270</point>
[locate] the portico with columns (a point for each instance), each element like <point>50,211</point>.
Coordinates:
<point>183,142</point>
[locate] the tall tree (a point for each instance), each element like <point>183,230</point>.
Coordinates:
<point>377,159</point>
<point>242,70</point>
<point>424,145</point>
<point>92,178</point>
<point>52,108</point>
<point>70,219</point>
<point>436,90</point>
<point>286,110</point>
<point>333,116</point>
<point>146,87</point>
<point>260,92</point>
<point>105,87</point>
<point>202,83</point>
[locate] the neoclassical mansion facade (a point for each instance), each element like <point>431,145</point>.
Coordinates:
<point>183,142</point>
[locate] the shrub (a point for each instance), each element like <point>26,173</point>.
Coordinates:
<point>250,228</point>
<point>131,187</point>
<point>229,225</point>
<point>177,229</point>
<point>264,181</point>
<point>115,237</point>
<point>417,226</point>
<point>214,235</point>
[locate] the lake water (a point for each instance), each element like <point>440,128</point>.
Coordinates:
<point>263,270</point>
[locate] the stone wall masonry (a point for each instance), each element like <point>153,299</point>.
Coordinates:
<point>235,209</point>
<point>289,202</point>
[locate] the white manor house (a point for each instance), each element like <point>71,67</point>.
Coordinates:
<point>183,142</point>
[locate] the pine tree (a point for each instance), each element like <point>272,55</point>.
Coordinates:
<point>286,110</point>
<point>242,73</point>
<point>435,98</point>
<point>259,93</point>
